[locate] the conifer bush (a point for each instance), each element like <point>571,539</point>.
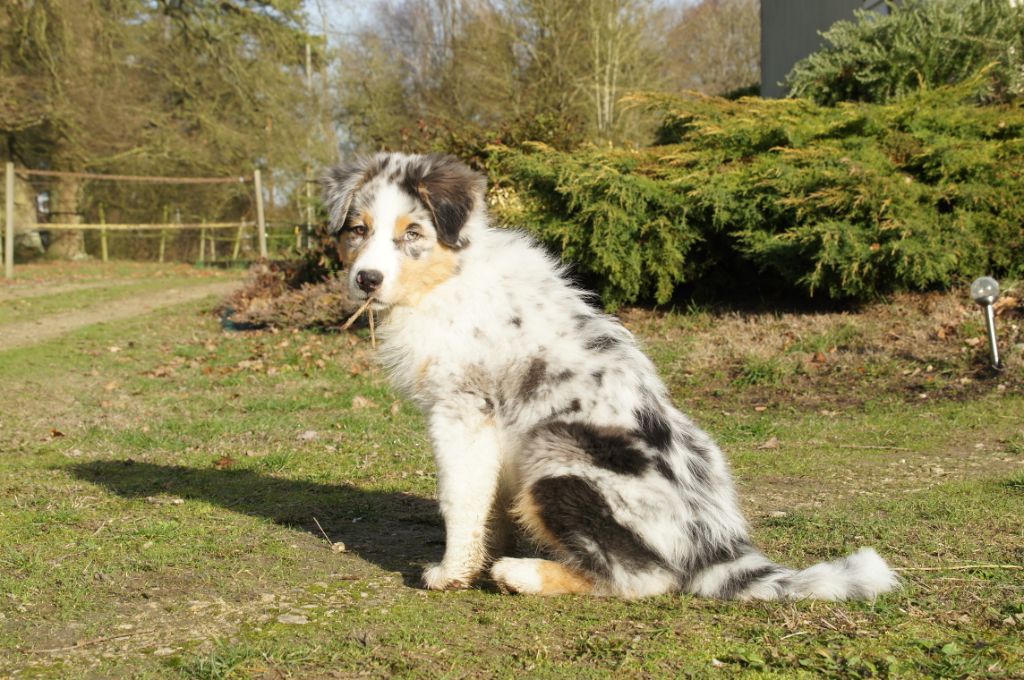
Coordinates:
<point>920,44</point>
<point>841,202</point>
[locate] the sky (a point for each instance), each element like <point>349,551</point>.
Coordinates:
<point>348,15</point>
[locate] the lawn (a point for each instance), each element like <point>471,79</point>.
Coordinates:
<point>170,493</point>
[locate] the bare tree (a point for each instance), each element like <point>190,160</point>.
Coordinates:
<point>620,57</point>
<point>714,46</point>
<point>468,65</point>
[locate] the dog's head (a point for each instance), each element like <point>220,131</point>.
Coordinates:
<point>400,221</point>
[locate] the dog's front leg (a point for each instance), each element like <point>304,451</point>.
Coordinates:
<point>468,462</point>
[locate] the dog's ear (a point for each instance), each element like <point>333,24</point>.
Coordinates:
<point>340,184</point>
<point>450,190</point>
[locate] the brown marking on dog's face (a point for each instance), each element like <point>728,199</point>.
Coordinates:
<point>417,277</point>
<point>558,579</point>
<point>402,224</point>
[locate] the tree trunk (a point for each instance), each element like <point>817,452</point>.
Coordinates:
<point>67,245</point>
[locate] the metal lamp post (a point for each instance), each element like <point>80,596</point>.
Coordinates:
<point>985,291</point>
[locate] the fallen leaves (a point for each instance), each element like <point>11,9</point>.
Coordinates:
<point>224,462</point>
<point>1007,305</point>
<point>283,298</point>
<point>162,372</point>
<point>360,402</point>
<point>250,365</point>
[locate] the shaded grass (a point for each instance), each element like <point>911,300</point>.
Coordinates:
<point>176,510</point>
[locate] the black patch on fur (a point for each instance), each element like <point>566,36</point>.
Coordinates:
<point>575,406</point>
<point>692,445</point>
<point>580,519</point>
<point>516,321</point>
<point>532,379</point>
<point>581,320</point>
<point>664,469</point>
<point>743,579</point>
<point>708,551</point>
<point>601,343</point>
<point>448,189</point>
<point>608,448</point>
<point>652,427</point>
<point>562,376</point>
<point>598,377</point>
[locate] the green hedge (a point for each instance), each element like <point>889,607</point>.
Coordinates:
<point>838,202</point>
<point>920,44</point>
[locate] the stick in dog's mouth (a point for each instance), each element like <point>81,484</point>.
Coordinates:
<point>351,320</point>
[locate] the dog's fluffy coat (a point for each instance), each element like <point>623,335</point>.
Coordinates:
<point>543,412</point>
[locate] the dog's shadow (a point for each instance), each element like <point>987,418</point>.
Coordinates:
<point>397,531</point>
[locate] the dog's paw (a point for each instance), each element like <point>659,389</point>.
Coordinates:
<point>516,575</point>
<point>438,577</point>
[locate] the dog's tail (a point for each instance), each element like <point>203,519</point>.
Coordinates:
<point>862,575</point>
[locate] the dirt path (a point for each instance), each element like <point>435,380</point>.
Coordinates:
<point>23,333</point>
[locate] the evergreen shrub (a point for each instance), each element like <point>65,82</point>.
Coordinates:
<point>921,43</point>
<point>841,202</point>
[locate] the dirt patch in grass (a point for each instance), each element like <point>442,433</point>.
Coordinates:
<point>39,330</point>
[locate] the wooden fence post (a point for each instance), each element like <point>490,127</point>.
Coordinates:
<point>238,241</point>
<point>103,234</point>
<point>163,233</point>
<point>260,223</point>
<point>202,244</point>
<point>9,228</point>
<point>213,245</point>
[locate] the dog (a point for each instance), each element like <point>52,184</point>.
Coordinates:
<point>544,414</point>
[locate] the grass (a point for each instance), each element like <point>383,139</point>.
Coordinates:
<point>159,508</point>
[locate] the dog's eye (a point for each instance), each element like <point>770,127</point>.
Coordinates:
<point>412,233</point>
<point>358,230</point>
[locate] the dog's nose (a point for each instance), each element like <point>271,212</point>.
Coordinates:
<point>369,279</point>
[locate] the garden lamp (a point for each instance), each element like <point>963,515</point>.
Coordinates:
<point>985,291</point>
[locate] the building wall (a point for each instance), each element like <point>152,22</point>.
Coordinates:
<point>790,31</point>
